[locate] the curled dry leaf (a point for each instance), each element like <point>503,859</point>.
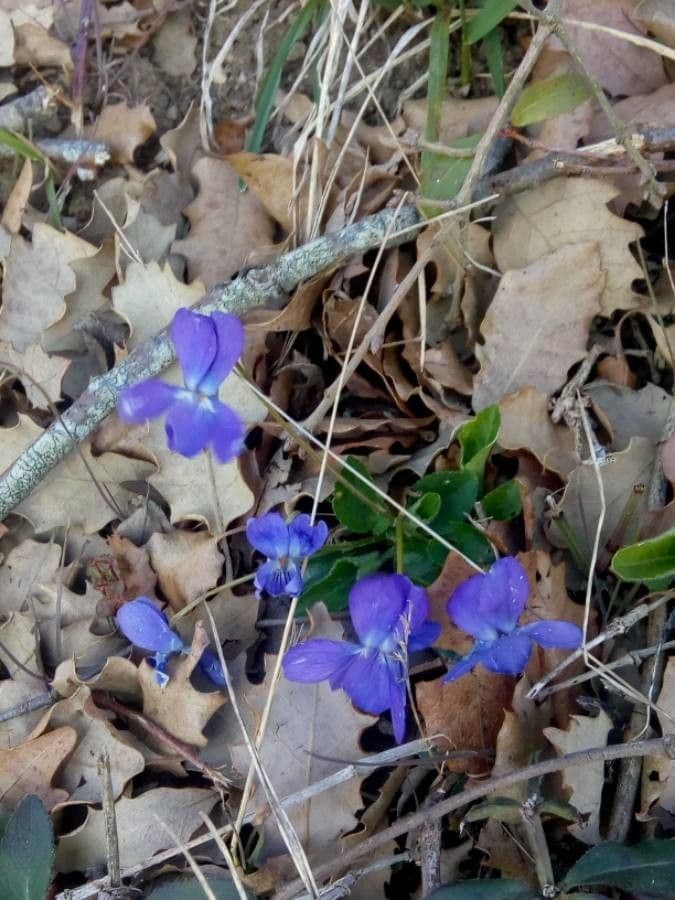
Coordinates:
<point>626,413</point>
<point>308,722</point>
<point>123,130</point>
<point>586,782</point>
<point>227,225</point>
<point>187,564</point>
<point>12,215</point>
<point>570,211</point>
<point>139,828</point>
<point>126,575</point>
<point>69,491</point>
<point>276,184</point>
<point>526,425</point>
<point>30,768</point>
<point>539,318</point>
<point>96,736</point>
<point>119,676</point>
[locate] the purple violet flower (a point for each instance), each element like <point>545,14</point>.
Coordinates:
<point>147,627</point>
<point>488,607</point>
<point>208,348</point>
<point>285,546</point>
<point>389,615</point>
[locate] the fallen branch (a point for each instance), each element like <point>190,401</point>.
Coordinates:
<point>267,285</point>
<point>658,746</point>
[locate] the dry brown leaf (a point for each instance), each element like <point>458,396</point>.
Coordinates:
<point>621,67</point>
<point>187,564</point>
<point>6,40</point>
<point>27,565</point>
<point>537,325</point>
<point>149,297</point>
<point>131,566</point>
<point>625,477</point>
<point>274,182</point>
<point>19,644</point>
<point>34,46</point>
<point>96,736</point>
<point>227,225</point>
<point>68,492</point>
<point>459,118</point>
<point>37,278</point>
<point>455,570</point>
<point>310,732</point>
<point>468,713</point>
<point>139,828</point>
<point>644,110</point>
<point>656,16</point>
<point>178,707</point>
<point>118,675</point>
<point>658,772</point>
<point>123,130</point>
<point>175,44</point>
<point>570,211</point>
<point>12,215</point>
<point>526,425</point>
<point>626,413</point>
<point>41,371</point>
<point>92,275</point>
<point>586,782</point>
<point>143,231</point>
<point>30,768</point>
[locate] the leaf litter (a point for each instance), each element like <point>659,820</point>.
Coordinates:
<point>511,400</point>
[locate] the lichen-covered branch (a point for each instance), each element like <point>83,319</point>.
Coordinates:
<point>264,286</point>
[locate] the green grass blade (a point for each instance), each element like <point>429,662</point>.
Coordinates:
<point>270,84</point>
<point>492,47</point>
<point>439,52</point>
<point>487,19</point>
<point>20,145</point>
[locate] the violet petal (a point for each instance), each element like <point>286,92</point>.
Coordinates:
<point>376,605</point>
<point>368,680</point>
<point>305,538</point>
<point>189,427</point>
<point>269,535</point>
<point>508,655</point>
<point>230,343</point>
<point>196,343</point>
<point>318,659</point>
<point>146,400</point>
<point>227,432</point>
<point>554,633</point>
<point>145,626</point>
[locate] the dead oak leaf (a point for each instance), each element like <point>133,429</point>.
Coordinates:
<point>526,425</point>
<point>30,768</point>
<point>586,782</point>
<point>658,773</point>
<point>274,181</point>
<point>37,278</point>
<point>19,653</point>
<point>227,225</point>
<point>123,130</point>
<point>626,413</point>
<point>148,298</point>
<point>139,828</point>
<point>310,730</point>
<point>537,324</point>
<point>40,374</point>
<point>187,564</point>
<point>68,492</point>
<point>570,211</point>
<point>178,707</point>
<point>96,735</point>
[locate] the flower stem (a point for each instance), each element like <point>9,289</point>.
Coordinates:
<point>399,545</point>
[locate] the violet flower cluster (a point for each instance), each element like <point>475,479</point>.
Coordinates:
<point>285,545</point>
<point>208,348</point>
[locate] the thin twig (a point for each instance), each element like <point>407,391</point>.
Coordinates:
<point>657,746</point>
<point>30,705</point>
<point>112,848</point>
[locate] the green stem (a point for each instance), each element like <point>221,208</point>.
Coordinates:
<point>399,545</point>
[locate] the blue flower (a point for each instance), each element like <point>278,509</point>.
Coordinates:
<point>147,627</point>
<point>208,348</point>
<point>285,546</point>
<point>488,607</point>
<point>389,615</point>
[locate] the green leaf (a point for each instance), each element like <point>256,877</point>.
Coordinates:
<point>423,559</point>
<point>270,84</point>
<point>186,887</point>
<point>458,491</point>
<point>439,53</point>
<point>654,558</point>
<point>645,868</point>
<point>442,176</point>
<point>470,541</point>
<point>333,589</point>
<point>551,97</point>
<point>358,506</point>
<point>476,439</point>
<point>502,809</point>
<point>321,562</point>
<point>484,889</point>
<point>494,56</point>
<point>21,146</point>
<point>27,852</point>
<point>487,19</point>
<point>560,809</point>
<point>504,502</point>
<point>426,508</point>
